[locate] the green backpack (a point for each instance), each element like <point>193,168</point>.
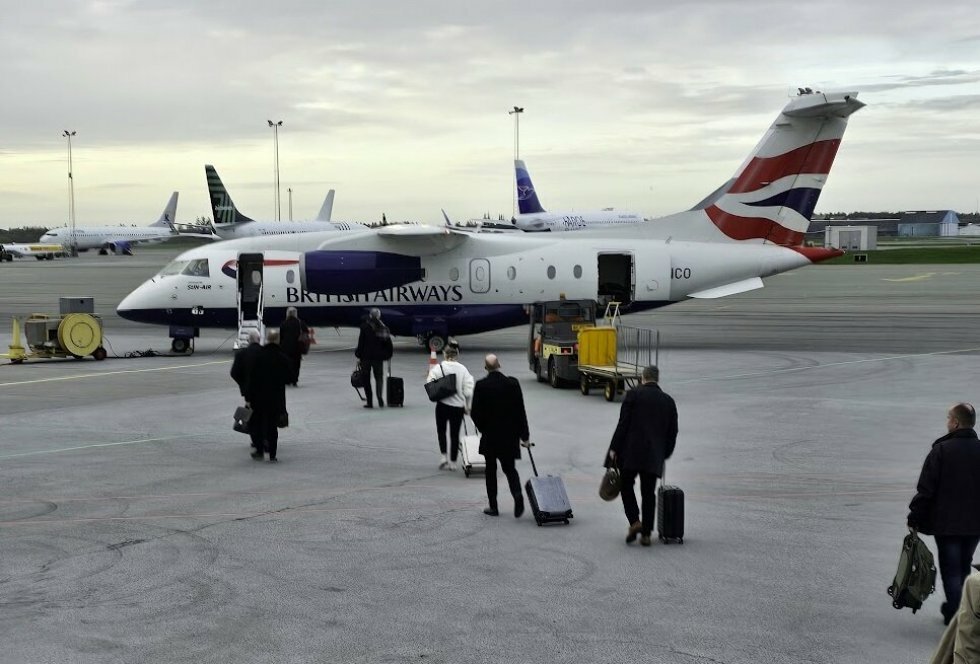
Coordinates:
<point>915,579</point>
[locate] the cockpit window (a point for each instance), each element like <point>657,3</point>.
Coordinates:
<point>196,268</point>
<point>174,268</point>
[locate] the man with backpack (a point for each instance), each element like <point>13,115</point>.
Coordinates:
<point>947,501</point>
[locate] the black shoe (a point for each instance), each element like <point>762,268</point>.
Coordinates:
<point>367,405</point>
<point>645,540</point>
<point>381,404</point>
<point>273,460</point>
<point>257,456</point>
<point>518,508</point>
<point>491,511</point>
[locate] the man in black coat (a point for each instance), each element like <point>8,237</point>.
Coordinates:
<point>374,347</point>
<point>947,501</point>
<point>498,412</point>
<point>244,359</point>
<point>291,334</point>
<point>265,393</point>
<point>644,439</point>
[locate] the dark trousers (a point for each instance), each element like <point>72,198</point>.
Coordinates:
<point>296,360</point>
<point>648,493</point>
<point>376,367</point>
<point>507,464</point>
<point>955,556</point>
<point>264,430</point>
<point>453,416</point>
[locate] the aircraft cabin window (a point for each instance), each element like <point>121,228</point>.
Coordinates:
<point>174,268</point>
<point>512,273</point>
<point>290,276</point>
<point>454,273</point>
<point>577,271</point>
<point>197,268</point>
<point>551,271</point>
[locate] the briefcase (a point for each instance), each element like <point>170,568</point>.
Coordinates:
<point>242,415</point>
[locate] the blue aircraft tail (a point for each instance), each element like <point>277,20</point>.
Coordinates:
<point>527,200</point>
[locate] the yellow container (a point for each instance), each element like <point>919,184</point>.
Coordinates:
<point>597,346</point>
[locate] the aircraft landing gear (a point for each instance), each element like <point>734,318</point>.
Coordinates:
<point>180,345</point>
<point>433,341</point>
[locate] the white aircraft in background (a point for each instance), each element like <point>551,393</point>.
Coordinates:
<point>533,217</point>
<point>437,281</point>
<point>11,250</point>
<point>120,239</point>
<point>230,224</point>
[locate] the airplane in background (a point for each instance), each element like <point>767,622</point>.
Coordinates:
<point>231,224</point>
<point>11,250</point>
<point>535,218</point>
<point>437,281</point>
<point>121,239</point>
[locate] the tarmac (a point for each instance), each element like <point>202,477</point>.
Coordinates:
<point>135,527</point>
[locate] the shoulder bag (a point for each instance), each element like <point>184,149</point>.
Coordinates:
<point>442,387</point>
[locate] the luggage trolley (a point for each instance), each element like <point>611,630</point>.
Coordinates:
<point>613,355</point>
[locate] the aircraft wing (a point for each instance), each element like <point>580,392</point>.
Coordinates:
<point>409,239</point>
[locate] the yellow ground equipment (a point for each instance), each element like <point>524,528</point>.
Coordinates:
<point>76,332</point>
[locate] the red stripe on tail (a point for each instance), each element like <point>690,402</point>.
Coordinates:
<point>749,228</point>
<point>815,158</point>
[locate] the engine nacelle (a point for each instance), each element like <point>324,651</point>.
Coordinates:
<point>356,272</point>
<point>119,247</point>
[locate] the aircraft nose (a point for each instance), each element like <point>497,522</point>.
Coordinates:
<point>134,306</point>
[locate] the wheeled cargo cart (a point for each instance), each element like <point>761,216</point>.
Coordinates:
<point>613,358</point>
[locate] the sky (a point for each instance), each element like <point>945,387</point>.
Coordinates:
<point>402,107</point>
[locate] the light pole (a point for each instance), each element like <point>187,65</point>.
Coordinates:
<point>275,138</point>
<point>517,143</point>
<point>290,192</point>
<point>73,243</point>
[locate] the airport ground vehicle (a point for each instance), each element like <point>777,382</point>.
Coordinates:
<point>75,332</point>
<point>553,338</point>
<point>614,356</point>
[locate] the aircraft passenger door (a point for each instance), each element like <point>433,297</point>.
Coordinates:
<point>249,287</point>
<point>480,275</point>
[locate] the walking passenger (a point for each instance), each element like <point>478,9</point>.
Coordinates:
<point>374,347</point>
<point>291,339</point>
<point>644,439</point>
<point>265,393</point>
<point>450,411</point>
<point>498,412</point>
<point>947,501</point>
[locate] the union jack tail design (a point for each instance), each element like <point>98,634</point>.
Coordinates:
<point>527,199</point>
<point>773,194</point>
<point>222,207</point>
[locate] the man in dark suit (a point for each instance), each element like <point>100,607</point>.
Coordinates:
<point>947,501</point>
<point>498,412</point>
<point>291,340</point>
<point>644,439</point>
<point>241,366</point>
<point>374,348</point>
<point>265,393</point>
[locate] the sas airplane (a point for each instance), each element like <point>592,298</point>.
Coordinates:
<point>230,224</point>
<point>120,239</point>
<point>434,282</point>
<point>533,217</point>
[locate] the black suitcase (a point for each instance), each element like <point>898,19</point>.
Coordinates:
<point>395,389</point>
<point>670,513</point>
<point>547,497</point>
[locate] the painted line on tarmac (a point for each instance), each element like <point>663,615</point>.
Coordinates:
<point>87,447</point>
<point>111,373</point>
<point>755,374</point>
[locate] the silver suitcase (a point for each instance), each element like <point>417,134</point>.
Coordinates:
<point>469,452</point>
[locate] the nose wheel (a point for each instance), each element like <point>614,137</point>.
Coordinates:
<point>180,345</point>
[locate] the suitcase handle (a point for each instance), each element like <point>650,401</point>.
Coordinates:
<point>531,457</point>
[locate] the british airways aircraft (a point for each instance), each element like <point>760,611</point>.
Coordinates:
<point>120,239</point>
<point>534,218</point>
<point>434,282</point>
<point>230,224</point>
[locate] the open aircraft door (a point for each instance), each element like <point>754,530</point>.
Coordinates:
<point>250,296</point>
<point>654,275</point>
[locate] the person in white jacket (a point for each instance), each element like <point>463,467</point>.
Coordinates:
<point>451,409</point>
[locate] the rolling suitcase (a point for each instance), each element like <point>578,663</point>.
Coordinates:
<point>469,452</point>
<point>547,496</point>
<point>394,389</point>
<point>670,512</point>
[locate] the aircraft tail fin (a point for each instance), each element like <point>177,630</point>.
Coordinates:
<point>326,210</point>
<point>774,193</point>
<point>527,199</point>
<point>169,215</point>
<point>223,210</point>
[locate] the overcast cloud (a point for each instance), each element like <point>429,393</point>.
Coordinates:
<point>402,107</point>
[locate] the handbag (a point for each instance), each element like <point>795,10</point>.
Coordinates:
<point>283,420</point>
<point>610,485</point>
<point>359,377</point>
<point>442,387</point>
<point>242,415</point>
